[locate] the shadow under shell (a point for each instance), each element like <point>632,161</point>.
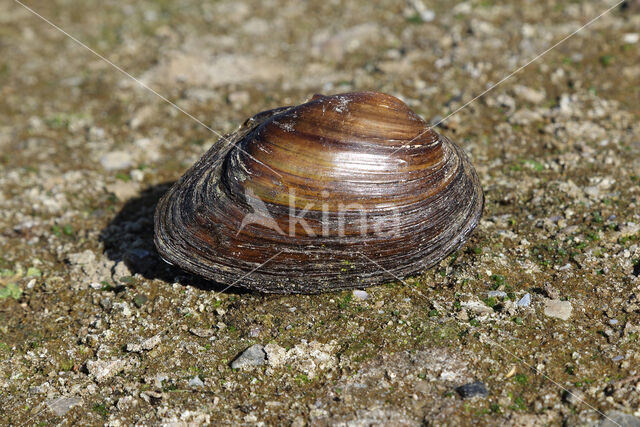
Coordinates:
<point>128,238</point>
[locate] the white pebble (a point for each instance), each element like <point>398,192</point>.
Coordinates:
<point>115,160</point>
<point>558,309</point>
<point>360,294</point>
<point>196,382</point>
<point>525,301</point>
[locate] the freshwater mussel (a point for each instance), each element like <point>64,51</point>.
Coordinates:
<point>343,191</point>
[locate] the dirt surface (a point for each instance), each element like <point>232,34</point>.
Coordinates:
<point>96,329</point>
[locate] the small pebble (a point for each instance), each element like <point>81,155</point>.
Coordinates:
<point>145,345</point>
<point>631,38</point>
<point>496,294</point>
<point>137,175</point>
<point>106,303</point>
<point>102,370</point>
<point>202,332</point>
<point>360,294</point>
<point>573,397</point>
<point>160,378</point>
<point>239,99</point>
<point>115,160</point>
<point>550,291</point>
<point>196,382</point>
<point>122,190</point>
<point>82,258</point>
<point>474,389</point>
<point>426,15</point>
<point>525,301</point>
<point>62,405</point>
<point>619,419</point>
<point>122,307</point>
<point>139,300</point>
<point>558,309</point>
<point>253,356</point>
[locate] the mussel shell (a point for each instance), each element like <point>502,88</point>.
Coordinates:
<point>343,191</point>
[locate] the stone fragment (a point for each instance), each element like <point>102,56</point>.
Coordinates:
<point>196,382</point>
<point>619,419</point>
<point>102,370</point>
<point>308,357</point>
<point>558,309</point>
<point>360,294</point>
<point>202,332</point>
<point>496,294</point>
<point>62,405</point>
<point>81,258</point>
<point>116,160</point>
<point>525,301</point>
<point>467,391</point>
<point>253,356</point>
<point>145,345</point>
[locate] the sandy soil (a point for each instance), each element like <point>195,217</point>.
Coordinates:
<point>96,329</point>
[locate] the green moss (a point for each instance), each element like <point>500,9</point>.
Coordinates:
<point>344,303</point>
<point>128,280</point>
<point>593,237</point>
<point>139,300</point>
<point>4,272</point>
<point>67,229</point>
<point>10,291</point>
<point>521,379</point>
<point>59,231</point>
<point>597,217</point>
<point>490,302</point>
<point>535,165</point>
<point>170,388</point>
<point>33,272</point>
<point>498,280</point>
<point>100,409</point>
<point>302,379</point>
<point>518,404</point>
<point>66,365</point>
<point>606,60</point>
<point>123,176</point>
<point>59,120</point>
<point>415,19</point>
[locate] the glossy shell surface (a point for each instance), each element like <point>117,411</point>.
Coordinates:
<point>343,191</point>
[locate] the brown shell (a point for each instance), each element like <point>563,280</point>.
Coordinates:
<point>343,191</point>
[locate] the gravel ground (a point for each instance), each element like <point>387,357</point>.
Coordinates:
<point>536,321</point>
